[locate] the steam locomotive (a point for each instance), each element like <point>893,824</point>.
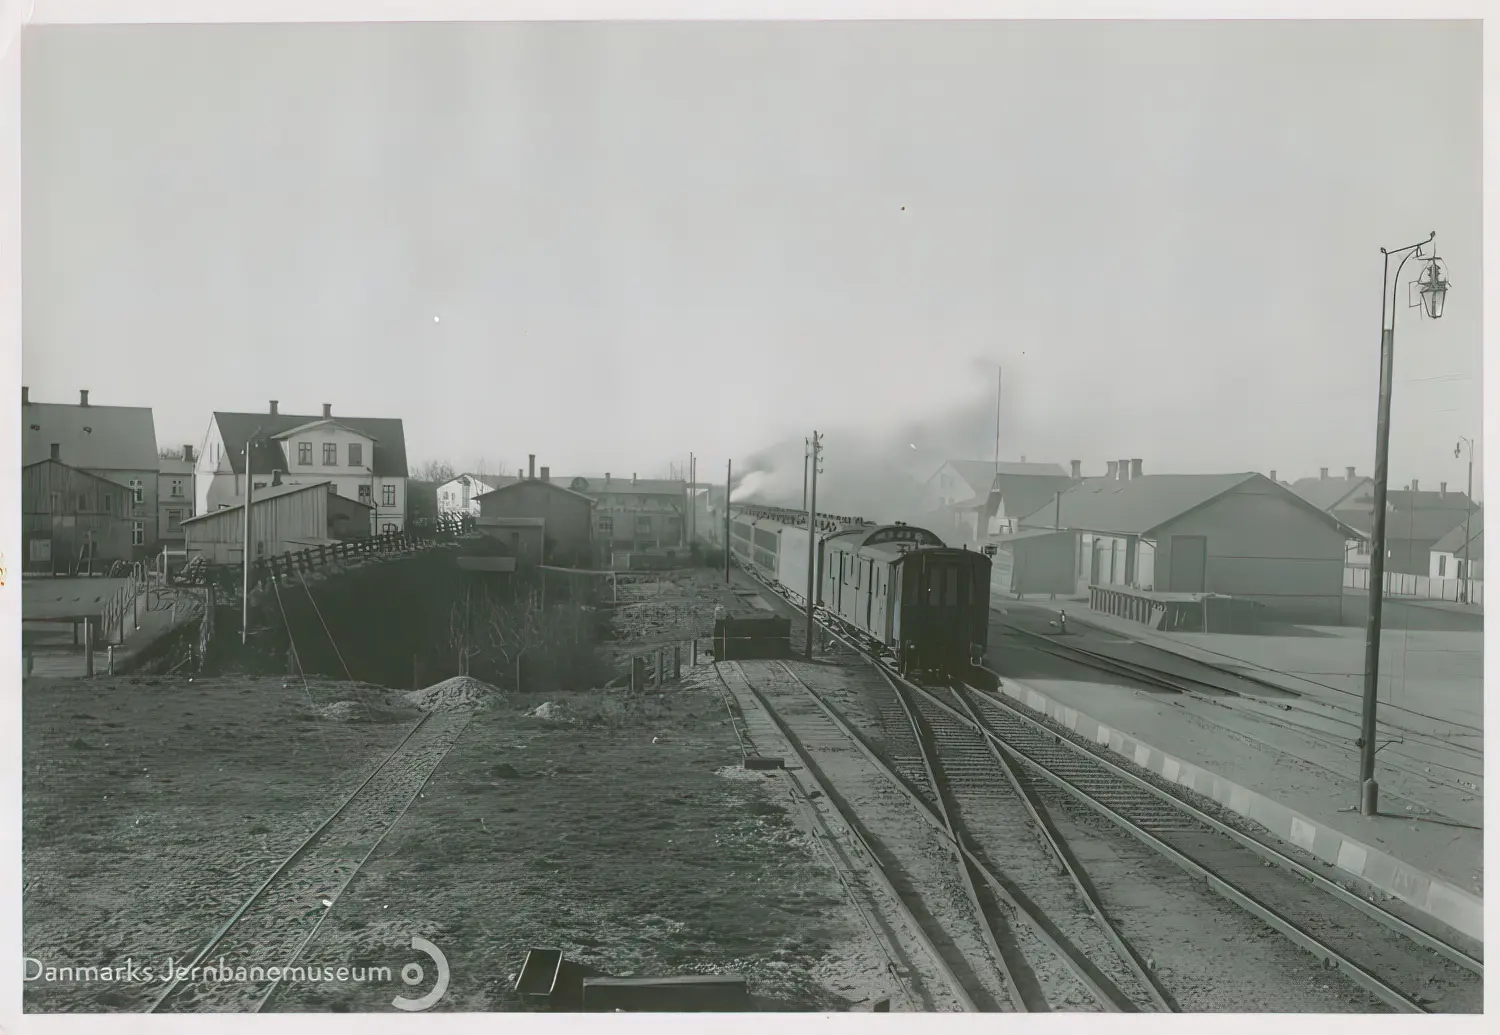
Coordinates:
<point>895,587</point>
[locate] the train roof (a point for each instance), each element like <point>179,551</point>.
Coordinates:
<point>885,539</point>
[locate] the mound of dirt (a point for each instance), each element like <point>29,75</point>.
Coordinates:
<point>454,694</point>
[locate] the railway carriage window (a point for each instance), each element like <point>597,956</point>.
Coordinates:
<point>951,597</point>
<point>935,586</point>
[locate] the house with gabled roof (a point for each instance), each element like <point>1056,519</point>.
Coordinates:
<point>116,443</point>
<point>1447,555</point>
<point>965,500</point>
<point>1240,535</point>
<point>363,457</point>
<point>541,521</point>
<point>460,494</point>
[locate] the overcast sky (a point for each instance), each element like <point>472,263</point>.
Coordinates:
<point>645,239</point>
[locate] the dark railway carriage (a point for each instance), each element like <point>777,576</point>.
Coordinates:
<point>924,603</point>
<point>895,587</point>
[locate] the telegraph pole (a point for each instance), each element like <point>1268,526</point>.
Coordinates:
<point>245,586</point>
<point>806,452</point>
<point>812,540</point>
<point>999,386</point>
<point>728,487</point>
<point>692,521</point>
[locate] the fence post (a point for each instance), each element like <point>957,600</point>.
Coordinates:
<point>88,647</point>
<point>676,662</point>
<point>693,653</point>
<point>660,666</point>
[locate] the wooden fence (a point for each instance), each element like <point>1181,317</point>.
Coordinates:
<point>1421,587</point>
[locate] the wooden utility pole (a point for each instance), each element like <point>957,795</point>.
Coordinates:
<point>728,487</point>
<point>812,539</point>
<point>245,587</point>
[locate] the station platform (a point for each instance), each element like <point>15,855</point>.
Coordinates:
<point>1280,750</point>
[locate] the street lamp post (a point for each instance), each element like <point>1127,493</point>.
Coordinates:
<point>1463,582</point>
<point>1434,289</point>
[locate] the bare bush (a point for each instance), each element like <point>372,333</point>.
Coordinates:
<point>523,642</point>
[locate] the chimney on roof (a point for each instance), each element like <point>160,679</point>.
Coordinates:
<point>1323,474</point>
<point>275,478</point>
<point>530,465</point>
<point>1349,473</point>
<point>57,450</point>
<point>25,396</point>
<point>273,407</point>
<point>1135,469</point>
<point>1124,470</point>
<point>546,474</point>
<point>1413,485</point>
<point>327,410</point>
<point>1442,490</point>
<point>187,453</point>
<point>632,477</point>
<point>1274,478</point>
<point>1112,469</point>
<point>83,397</point>
<point>1077,466</point>
<point>606,477</point>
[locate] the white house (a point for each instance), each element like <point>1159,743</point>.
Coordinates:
<point>1447,554</point>
<point>364,458</point>
<point>461,495</point>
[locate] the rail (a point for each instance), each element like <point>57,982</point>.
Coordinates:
<point>1320,923</point>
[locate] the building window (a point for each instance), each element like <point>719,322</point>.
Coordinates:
<point>364,495</point>
<point>138,491</point>
<point>304,454</point>
<point>177,488</point>
<point>607,525</point>
<point>174,520</point>
<point>643,526</point>
<point>1442,565</point>
<point>387,495</point>
<point>330,454</point>
<point>109,503</point>
<point>356,454</point>
<point>388,528</point>
<point>138,533</point>
<point>83,502</point>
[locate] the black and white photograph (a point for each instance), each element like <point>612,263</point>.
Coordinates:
<point>786,512</point>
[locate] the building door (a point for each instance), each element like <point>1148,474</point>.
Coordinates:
<point>1189,564</point>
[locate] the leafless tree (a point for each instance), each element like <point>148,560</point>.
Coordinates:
<point>435,471</point>
<point>497,638</point>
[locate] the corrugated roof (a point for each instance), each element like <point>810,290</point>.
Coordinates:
<point>388,455</point>
<point>271,492</point>
<point>1326,493</point>
<point>1453,542</point>
<point>100,438</point>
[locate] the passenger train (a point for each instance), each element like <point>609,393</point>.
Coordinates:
<point>895,587</point>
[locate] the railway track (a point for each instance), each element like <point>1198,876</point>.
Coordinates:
<point>955,792</point>
<point>1405,967</point>
<point>273,927</point>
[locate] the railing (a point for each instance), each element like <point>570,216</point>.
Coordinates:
<point>1420,587</point>
<point>286,565</point>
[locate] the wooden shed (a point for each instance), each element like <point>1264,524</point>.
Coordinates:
<point>284,519</point>
<point>71,518</point>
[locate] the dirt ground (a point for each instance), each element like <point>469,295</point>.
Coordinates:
<point>620,830</point>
